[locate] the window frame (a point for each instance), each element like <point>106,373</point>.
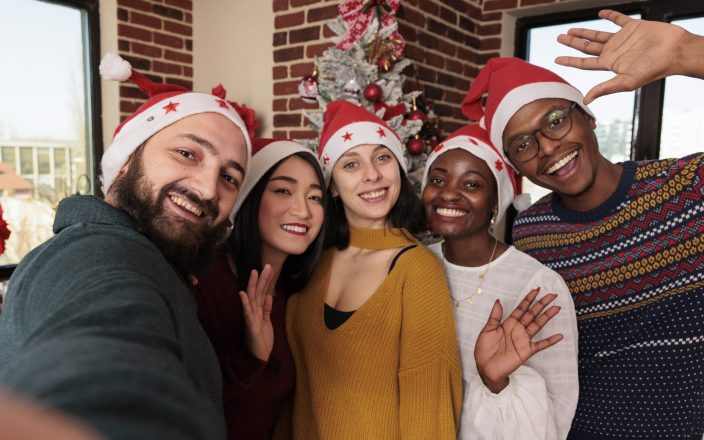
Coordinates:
<point>93,107</point>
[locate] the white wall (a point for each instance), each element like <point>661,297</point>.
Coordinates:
<point>232,45</point>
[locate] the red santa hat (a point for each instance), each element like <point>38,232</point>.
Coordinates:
<point>266,153</point>
<point>346,126</point>
<point>167,104</point>
<point>511,83</point>
<point>475,140</point>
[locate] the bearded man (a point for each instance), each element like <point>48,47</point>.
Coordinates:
<point>99,321</point>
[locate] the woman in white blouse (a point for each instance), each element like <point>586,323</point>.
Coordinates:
<point>519,383</point>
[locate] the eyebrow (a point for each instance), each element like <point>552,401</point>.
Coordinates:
<point>354,153</point>
<point>294,181</point>
<point>465,173</point>
<point>212,150</point>
<point>552,109</point>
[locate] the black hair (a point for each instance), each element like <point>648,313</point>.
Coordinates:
<point>407,213</point>
<point>245,241</point>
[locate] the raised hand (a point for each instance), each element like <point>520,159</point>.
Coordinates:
<point>640,52</point>
<point>502,347</point>
<point>256,305</point>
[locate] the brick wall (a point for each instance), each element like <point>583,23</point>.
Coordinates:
<point>156,37</point>
<point>448,41</point>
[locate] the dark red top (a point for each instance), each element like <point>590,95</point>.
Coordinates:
<point>253,390</point>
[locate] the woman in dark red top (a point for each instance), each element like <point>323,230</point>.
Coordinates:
<point>276,233</point>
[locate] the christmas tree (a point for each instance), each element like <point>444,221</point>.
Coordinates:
<point>366,67</point>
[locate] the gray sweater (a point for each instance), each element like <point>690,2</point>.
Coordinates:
<point>99,325</point>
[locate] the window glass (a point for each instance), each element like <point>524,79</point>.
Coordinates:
<point>43,129</point>
<point>683,109</point>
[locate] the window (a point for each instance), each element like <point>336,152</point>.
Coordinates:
<point>660,120</point>
<point>50,130</point>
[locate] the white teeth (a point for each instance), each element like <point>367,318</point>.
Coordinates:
<point>372,195</point>
<point>183,203</point>
<point>561,163</point>
<point>447,212</point>
<point>292,228</point>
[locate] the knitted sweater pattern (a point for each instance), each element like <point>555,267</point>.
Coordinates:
<point>634,267</point>
<point>392,369</point>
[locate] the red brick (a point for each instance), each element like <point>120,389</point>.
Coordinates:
<point>414,53</point>
<point>141,64</point>
<point>188,71</point>
<point>287,120</point>
<point>467,24</point>
<point>183,4</point>
<point>301,69</point>
<point>448,15</point>
<point>289,20</point>
<point>171,69</point>
<point>123,45</point>
<point>489,29</point>
<point>180,57</point>
<point>288,54</point>
<point>316,49</point>
<point>280,38</point>
<point>429,7</point>
<point>281,134</point>
<point>454,97</point>
<point>470,72</point>
<point>145,20</point>
<point>490,44</point>
<point>303,134</point>
<point>446,48</point>
<point>279,72</point>
<point>327,32</point>
<point>435,60</point>
<point>146,49</point>
<point>123,15</point>
<point>280,5</point>
<point>168,40</point>
<point>437,28</point>
<point>323,13</point>
<point>176,14</point>
<point>129,106</point>
<point>413,16</point>
<point>426,74</point>
<point>280,105</point>
<point>286,88</point>
<point>408,31</point>
<point>131,92</point>
<point>535,2</point>
<point>127,31</point>
<point>297,104</point>
<point>458,5</point>
<point>189,44</point>
<point>296,3</point>
<point>305,34</point>
<point>189,17</point>
<point>136,4</point>
<point>491,17</point>
<point>178,28</point>
<point>454,66</point>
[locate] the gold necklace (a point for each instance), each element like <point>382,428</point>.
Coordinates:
<point>470,298</point>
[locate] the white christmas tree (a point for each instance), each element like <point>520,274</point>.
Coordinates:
<point>351,75</point>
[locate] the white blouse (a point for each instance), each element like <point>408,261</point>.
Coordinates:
<point>541,398</point>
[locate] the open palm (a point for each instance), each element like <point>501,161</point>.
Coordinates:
<point>256,305</point>
<point>502,347</point>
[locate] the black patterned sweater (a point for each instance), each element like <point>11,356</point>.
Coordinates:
<point>635,268</point>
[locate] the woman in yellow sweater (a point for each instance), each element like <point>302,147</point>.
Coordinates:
<point>373,333</point>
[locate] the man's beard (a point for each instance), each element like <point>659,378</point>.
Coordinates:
<point>185,245</point>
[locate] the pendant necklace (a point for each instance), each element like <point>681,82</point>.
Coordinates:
<point>470,298</point>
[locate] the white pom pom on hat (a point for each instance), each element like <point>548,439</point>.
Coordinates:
<point>167,103</point>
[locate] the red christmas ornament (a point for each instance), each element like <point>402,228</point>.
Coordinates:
<point>415,146</point>
<point>416,115</point>
<point>372,92</point>
<point>308,89</point>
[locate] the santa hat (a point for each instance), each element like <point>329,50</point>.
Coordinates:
<point>265,154</point>
<point>510,84</point>
<point>346,126</point>
<point>475,140</point>
<point>167,104</point>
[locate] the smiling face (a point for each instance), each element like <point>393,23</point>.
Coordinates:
<point>291,209</point>
<point>567,166</point>
<point>181,185</point>
<point>368,180</point>
<point>460,195</point>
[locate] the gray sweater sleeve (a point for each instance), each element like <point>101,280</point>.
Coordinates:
<point>97,328</point>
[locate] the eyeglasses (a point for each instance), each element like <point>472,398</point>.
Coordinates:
<point>555,125</point>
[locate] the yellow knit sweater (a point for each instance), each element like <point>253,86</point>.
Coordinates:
<point>392,370</point>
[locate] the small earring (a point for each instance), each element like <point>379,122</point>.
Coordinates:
<point>493,218</point>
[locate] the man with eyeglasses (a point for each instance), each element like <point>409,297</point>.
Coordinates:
<point>626,238</point>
